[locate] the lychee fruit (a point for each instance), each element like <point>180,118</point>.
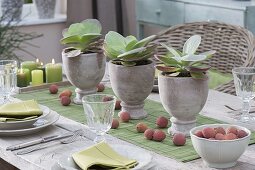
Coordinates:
<point>117,105</point>
<point>115,124</point>
<point>232,130</point>
<point>208,132</point>
<point>230,136</point>
<point>53,89</point>
<point>219,136</point>
<point>220,130</point>
<point>179,139</point>
<point>148,134</point>
<point>66,92</point>
<point>65,100</point>
<point>199,134</point>
<point>159,135</point>
<point>162,122</point>
<point>124,116</point>
<point>141,127</point>
<point>100,87</point>
<point>241,134</point>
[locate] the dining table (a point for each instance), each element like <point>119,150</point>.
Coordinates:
<point>219,106</point>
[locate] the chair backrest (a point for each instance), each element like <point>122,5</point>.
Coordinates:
<point>234,45</point>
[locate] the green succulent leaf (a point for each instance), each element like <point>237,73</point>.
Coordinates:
<point>111,53</point>
<point>85,27</point>
<point>171,50</point>
<point>208,53</point>
<point>193,57</point>
<point>130,38</point>
<point>144,41</point>
<point>115,41</point>
<point>70,39</point>
<point>167,69</point>
<point>167,60</point>
<point>192,44</point>
<point>131,55</point>
<point>128,64</point>
<point>130,45</point>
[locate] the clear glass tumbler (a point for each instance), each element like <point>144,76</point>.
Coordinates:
<point>244,78</point>
<point>99,110</point>
<point>8,78</point>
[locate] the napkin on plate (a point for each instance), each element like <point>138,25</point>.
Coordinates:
<point>20,109</point>
<point>103,156</point>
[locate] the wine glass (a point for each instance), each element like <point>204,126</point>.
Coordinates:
<point>99,110</point>
<point>8,78</point>
<point>244,78</point>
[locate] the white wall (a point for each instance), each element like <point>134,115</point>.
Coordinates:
<point>48,45</point>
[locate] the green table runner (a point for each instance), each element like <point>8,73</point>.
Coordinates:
<point>127,131</point>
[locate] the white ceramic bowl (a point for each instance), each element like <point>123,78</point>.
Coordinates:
<point>220,153</point>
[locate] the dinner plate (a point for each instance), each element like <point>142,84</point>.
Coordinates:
<point>39,125</point>
<point>144,158</point>
<point>13,125</point>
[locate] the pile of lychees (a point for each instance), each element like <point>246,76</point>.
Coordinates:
<point>158,135</point>
<point>65,95</point>
<point>219,133</point>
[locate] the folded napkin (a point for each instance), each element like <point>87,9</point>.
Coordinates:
<point>20,109</point>
<point>11,119</point>
<point>103,156</point>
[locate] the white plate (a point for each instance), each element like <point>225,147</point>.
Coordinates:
<point>144,158</point>
<point>14,125</point>
<point>37,126</point>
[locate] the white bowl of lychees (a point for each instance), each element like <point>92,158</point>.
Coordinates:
<point>220,145</point>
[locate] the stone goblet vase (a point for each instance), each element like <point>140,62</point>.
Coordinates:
<point>132,85</point>
<point>183,98</point>
<point>84,71</point>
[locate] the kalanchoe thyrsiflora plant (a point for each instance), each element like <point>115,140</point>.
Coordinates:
<point>83,37</point>
<point>128,51</point>
<point>187,62</point>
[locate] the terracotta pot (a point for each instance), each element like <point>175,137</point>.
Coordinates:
<point>183,98</point>
<point>132,85</point>
<point>84,71</point>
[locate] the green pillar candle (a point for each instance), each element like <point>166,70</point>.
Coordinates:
<point>37,77</point>
<point>53,72</point>
<point>21,78</point>
<point>41,67</point>
<point>31,65</point>
<point>28,75</point>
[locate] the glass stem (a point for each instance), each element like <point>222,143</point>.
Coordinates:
<point>245,110</point>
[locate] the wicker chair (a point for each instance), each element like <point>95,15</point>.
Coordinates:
<point>235,45</point>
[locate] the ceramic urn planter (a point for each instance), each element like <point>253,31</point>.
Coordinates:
<point>132,85</point>
<point>84,71</point>
<point>183,98</point>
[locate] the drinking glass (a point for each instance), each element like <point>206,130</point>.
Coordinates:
<point>244,78</point>
<point>99,110</point>
<point>8,78</point>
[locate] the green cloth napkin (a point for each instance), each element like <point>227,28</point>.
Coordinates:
<point>11,119</point>
<point>103,156</point>
<point>20,109</point>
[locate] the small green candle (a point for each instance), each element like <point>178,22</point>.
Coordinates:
<point>21,78</point>
<point>37,77</point>
<point>41,67</point>
<point>53,72</point>
<point>31,65</point>
<point>28,75</point>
